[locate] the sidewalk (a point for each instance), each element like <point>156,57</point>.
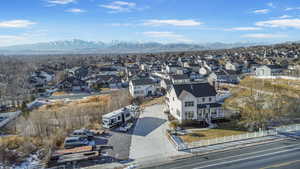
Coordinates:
<point>158,159</point>
<point>234,144</point>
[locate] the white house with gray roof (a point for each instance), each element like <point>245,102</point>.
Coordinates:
<point>142,87</point>
<point>194,102</point>
<point>268,70</point>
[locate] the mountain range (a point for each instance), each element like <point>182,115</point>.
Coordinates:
<point>77,46</point>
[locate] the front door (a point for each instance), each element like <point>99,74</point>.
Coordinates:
<point>123,118</point>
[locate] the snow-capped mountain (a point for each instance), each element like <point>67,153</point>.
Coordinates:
<point>85,47</point>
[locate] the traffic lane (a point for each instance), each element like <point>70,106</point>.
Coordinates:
<point>239,157</point>
<point>226,155</point>
<point>276,160</point>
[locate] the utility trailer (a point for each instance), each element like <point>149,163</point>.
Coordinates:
<point>75,155</point>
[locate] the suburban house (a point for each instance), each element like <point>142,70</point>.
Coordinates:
<point>192,66</point>
<point>194,102</point>
<point>268,70</point>
<point>178,79</point>
<point>73,84</point>
<point>78,72</point>
<point>224,76</point>
<point>203,71</point>
<point>172,69</point>
<point>105,81</point>
<point>233,66</point>
<point>41,78</point>
<point>142,87</point>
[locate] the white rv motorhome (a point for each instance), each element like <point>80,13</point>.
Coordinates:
<point>118,117</point>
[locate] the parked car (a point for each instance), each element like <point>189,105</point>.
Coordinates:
<point>126,127</point>
<point>83,133</point>
<point>72,142</point>
<point>2,118</point>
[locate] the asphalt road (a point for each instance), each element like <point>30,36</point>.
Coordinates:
<point>277,155</point>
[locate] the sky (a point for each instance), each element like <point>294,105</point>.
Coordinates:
<point>165,21</point>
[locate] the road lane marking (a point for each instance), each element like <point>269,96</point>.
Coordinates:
<point>282,164</point>
<point>247,158</point>
<point>277,148</point>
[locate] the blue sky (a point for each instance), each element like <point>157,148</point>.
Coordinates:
<point>166,21</point>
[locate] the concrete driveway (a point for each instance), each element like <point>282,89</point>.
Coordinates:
<point>149,139</point>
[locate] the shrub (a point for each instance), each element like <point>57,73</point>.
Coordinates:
<point>170,117</point>
<point>174,124</point>
<point>167,112</point>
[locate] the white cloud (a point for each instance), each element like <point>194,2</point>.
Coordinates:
<point>280,23</point>
<point>294,8</point>
<point>264,36</point>
<point>120,6</point>
<point>285,16</point>
<point>10,38</point>
<point>28,37</point>
<point>6,40</point>
<point>162,34</point>
<point>244,29</point>
<point>261,11</point>
<point>270,4</point>
<point>123,3</point>
<point>120,24</point>
<point>169,35</point>
<point>16,24</point>
<point>61,2</point>
<point>172,22</point>
<point>76,10</point>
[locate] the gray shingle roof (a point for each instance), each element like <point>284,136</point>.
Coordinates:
<point>139,82</point>
<point>196,89</point>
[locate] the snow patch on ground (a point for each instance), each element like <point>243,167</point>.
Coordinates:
<point>31,162</point>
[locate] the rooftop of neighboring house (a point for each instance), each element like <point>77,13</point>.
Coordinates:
<point>180,77</point>
<point>274,66</point>
<point>73,80</point>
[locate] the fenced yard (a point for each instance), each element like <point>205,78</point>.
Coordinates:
<point>237,137</point>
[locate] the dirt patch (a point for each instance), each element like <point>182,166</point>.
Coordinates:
<point>199,135</point>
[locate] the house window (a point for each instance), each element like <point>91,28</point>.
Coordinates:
<point>200,115</point>
<point>189,115</point>
<point>203,99</point>
<point>188,104</point>
<point>178,113</point>
<point>210,99</point>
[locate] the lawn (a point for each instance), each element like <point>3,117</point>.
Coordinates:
<point>199,135</point>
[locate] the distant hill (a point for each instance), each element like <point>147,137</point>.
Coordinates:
<point>85,47</point>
